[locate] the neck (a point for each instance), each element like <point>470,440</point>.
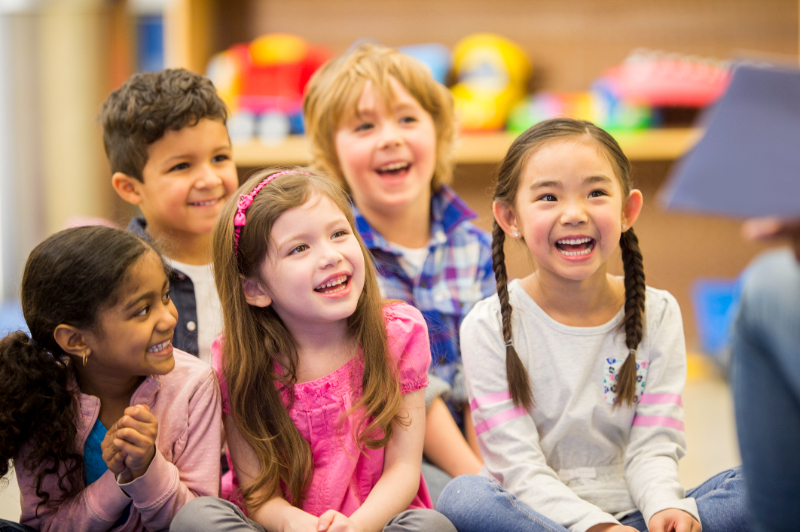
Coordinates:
<point>188,248</point>
<point>113,390</point>
<point>409,227</point>
<point>585,303</point>
<point>322,349</point>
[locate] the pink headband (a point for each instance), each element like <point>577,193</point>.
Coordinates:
<point>245,200</point>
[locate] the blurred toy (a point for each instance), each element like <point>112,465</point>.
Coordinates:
<point>661,79</point>
<point>492,74</point>
<point>436,56</point>
<point>264,81</point>
<point>598,105</point>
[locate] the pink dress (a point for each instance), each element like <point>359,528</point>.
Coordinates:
<point>344,474</point>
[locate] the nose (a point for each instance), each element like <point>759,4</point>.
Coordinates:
<point>207,177</point>
<point>390,135</point>
<point>573,213</point>
<point>168,317</point>
<point>329,255</point>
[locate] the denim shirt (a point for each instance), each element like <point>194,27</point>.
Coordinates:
<point>185,337</point>
<point>456,274</point>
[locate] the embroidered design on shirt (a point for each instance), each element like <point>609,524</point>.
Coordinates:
<point>611,372</point>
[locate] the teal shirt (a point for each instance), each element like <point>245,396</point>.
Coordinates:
<point>93,463</point>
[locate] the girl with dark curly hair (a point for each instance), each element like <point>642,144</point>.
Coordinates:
<point>106,424</point>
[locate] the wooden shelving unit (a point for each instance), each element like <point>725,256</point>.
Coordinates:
<point>482,148</point>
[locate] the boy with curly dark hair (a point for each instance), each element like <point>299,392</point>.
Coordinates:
<point>170,154</point>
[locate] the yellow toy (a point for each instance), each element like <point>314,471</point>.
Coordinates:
<point>492,75</point>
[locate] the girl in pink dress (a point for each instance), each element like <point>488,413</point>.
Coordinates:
<point>322,381</point>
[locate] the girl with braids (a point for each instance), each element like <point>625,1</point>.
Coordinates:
<point>575,376</point>
<point>322,381</point>
<point>107,425</point>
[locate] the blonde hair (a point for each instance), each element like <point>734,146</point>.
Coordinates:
<point>334,90</point>
<point>255,336</point>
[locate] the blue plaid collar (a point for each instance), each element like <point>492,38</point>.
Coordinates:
<point>448,211</point>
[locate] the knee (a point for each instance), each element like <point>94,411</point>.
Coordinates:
<point>428,520</point>
<point>194,515</point>
<point>461,495</point>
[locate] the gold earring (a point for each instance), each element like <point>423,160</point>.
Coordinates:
<point>84,359</point>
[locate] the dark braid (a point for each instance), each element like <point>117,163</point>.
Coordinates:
<point>634,314</point>
<point>517,375</point>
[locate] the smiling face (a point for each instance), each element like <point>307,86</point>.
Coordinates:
<point>570,209</point>
<point>188,176</point>
<point>387,151</point>
<point>314,272</point>
<point>134,336</point>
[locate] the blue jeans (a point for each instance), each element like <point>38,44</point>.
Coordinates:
<point>477,504</point>
<point>766,390</point>
<point>11,526</point>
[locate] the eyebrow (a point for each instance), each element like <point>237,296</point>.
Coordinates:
<point>557,184</point>
<point>145,296</point>
<point>183,156</point>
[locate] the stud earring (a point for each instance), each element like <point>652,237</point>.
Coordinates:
<point>516,235</point>
<point>624,227</point>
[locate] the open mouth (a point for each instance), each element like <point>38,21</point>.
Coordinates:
<point>160,347</point>
<point>206,203</point>
<point>393,169</point>
<point>333,286</point>
<point>575,247</point>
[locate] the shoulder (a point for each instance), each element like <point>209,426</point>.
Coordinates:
<point>403,322</point>
<point>189,371</point>
<point>485,313</point>
<point>659,305</point>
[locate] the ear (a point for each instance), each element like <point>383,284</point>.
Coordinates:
<point>128,187</point>
<point>506,219</point>
<point>72,340</point>
<point>632,208</point>
<point>254,293</point>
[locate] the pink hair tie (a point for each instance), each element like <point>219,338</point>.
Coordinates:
<point>245,200</point>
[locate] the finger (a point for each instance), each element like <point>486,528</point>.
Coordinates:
<point>146,429</point>
<point>134,437</point>
<point>141,413</point>
<point>134,452</point>
<point>325,520</point>
<point>137,416</point>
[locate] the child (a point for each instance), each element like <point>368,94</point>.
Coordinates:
<point>108,425</point>
<point>322,383</point>
<point>384,128</point>
<point>166,140</point>
<point>576,375</point>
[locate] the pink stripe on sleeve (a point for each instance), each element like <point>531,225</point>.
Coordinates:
<point>499,419</point>
<point>489,399</point>
<point>661,399</point>
<point>657,421</point>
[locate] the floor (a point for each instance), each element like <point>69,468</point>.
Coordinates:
<point>710,432</point>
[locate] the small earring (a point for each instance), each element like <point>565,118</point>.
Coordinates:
<point>84,359</point>
<point>624,227</point>
<point>516,235</point>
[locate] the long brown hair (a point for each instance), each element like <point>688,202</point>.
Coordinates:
<point>334,90</point>
<point>255,337</point>
<point>508,179</point>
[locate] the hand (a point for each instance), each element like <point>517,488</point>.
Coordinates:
<point>333,521</point>
<point>136,437</point>
<point>113,457</point>
<point>771,228</point>
<point>611,527</point>
<point>673,520</point>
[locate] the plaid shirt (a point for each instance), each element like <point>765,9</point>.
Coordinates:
<point>457,273</point>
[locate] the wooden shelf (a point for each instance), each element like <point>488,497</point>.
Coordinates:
<point>482,148</point>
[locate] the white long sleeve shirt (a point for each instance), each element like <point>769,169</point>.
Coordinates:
<point>573,457</point>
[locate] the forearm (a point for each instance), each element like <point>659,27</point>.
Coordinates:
<point>277,515</point>
<point>444,446</point>
<point>472,437</point>
<point>391,495</point>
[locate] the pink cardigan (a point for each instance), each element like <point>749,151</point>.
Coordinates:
<point>186,403</point>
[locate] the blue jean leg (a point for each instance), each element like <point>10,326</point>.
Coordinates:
<point>11,526</point>
<point>477,504</point>
<point>720,502</point>
<point>766,390</point>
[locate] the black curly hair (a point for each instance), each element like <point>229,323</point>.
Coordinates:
<point>70,278</point>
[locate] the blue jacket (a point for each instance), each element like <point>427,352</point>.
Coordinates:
<point>185,337</point>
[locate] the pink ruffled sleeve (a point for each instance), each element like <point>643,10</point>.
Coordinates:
<point>408,345</point>
<point>216,363</point>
